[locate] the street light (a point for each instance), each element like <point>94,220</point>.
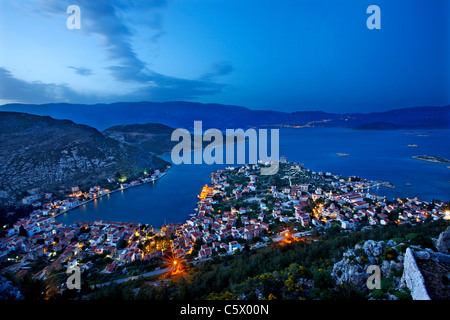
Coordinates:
<point>447,215</point>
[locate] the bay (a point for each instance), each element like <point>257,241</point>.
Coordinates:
<point>375,155</point>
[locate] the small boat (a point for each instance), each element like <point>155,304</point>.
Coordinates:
<point>408,184</point>
<point>412,145</point>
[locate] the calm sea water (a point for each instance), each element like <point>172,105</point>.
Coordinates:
<point>377,155</point>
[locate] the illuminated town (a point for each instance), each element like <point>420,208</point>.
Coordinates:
<point>239,208</point>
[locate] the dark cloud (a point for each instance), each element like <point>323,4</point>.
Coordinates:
<point>81,71</point>
<point>217,70</point>
<point>164,88</point>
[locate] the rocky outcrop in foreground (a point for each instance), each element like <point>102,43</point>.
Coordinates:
<point>443,242</point>
<point>8,291</point>
<point>427,274</point>
<point>413,277</point>
<point>405,270</point>
<point>355,263</point>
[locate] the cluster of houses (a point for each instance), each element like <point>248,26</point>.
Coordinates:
<point>43,203</point>
<point>216,230</point>
<point>377,213</point>
<point>47,205</point>
<point>40,228</point>
<point>351,207</point>
<point>347,206</point>
<point>348,203</point>
<point>155,175</point>
<point>72,244</point>
<point>39,235</point>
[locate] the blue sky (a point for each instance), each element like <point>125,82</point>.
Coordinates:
<point>284,55</point>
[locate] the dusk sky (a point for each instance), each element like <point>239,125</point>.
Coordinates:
<point>284,55</point>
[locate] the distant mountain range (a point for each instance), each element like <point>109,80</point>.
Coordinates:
<point>90,143</point>
<point>181,114</point>
<point>38,151</point>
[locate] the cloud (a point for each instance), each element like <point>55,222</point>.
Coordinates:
<point>164,88</point>
<point>108,20</point>
<point>81,71</point>
<point>15,89</point>
<point>218,69</point>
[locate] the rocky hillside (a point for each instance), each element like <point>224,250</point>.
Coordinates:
<point>154,137</point>
<point>38,151</point>
<point>406,271</point>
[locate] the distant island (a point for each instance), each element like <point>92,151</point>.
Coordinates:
<point>431,159</point>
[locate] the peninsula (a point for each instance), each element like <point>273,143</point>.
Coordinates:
<point>431,159</point>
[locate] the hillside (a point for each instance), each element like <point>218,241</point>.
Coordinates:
<point>182,114</point>
<point>38,151</point>
<point>153,137</point>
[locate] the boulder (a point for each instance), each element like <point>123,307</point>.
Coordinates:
<point>353,269</point>
<point>391,243</point>
<point>443,242</point>
<point>423,255</point>
<point>345,271</point>
<point>373,248</point>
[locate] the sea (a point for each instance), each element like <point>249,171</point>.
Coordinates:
<point>374,155</point>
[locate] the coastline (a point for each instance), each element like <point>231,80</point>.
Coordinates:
<point>225,143</point>
<point>431,159</point>
<point>391,191</point>
<point>112,191</point>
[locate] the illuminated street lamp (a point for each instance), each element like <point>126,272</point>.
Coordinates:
<point>175,263</point>
<point>447,216</point>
